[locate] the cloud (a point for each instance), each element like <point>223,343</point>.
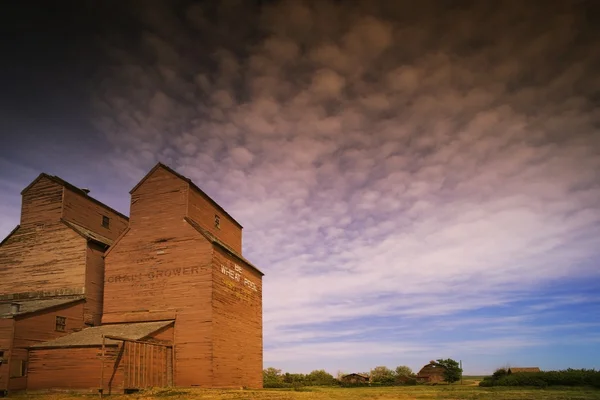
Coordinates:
<point>386,159</point>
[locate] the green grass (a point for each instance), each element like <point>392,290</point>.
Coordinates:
<point>454,392</point>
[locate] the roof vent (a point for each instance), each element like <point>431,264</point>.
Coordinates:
<point>15,308</point>
<point>85,190</point>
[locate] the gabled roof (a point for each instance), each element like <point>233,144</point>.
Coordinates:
<point>73,188</point>
<point>9,235</point>
<point>432,368</point>
<point>524,369</point>
<point>216,241</point>
<point>87,234</point>
<point>189,181</point>
<point>31,306</point>
<point>93,336</point>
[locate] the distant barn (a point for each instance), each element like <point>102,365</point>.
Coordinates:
<point>355,379</point>
<point>431,373</point>
<point>523,369</point>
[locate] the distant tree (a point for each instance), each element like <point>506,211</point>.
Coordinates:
<point>294,378</point>
<point>403,370</point>
<point>383,375</point>
<point>320,377</point>
<point>452,370</point>
<point>340,374</point>
<point>272,377</point>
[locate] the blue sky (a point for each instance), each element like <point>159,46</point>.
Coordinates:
<point>417,182</point>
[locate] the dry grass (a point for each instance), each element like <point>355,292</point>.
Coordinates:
<point>454,392</point>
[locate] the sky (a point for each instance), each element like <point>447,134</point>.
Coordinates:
<point>417,180</point>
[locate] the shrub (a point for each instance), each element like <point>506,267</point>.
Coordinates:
<point>569,377</point>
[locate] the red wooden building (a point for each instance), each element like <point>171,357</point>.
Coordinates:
<point>51,270</point>
<point>181,305</point>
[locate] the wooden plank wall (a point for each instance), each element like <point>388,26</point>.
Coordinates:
<point>6,336</point>
<point>94,283</point>
<point>40,327</point>
<point>42,203</point>
<point>162,267</point>
<point>237,324</point>
<point>79,209</point>
<point>203,212</point>
<point>34,259</point>
<point>76,368</point>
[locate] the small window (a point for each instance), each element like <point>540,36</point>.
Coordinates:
<point>105,221</point>
<point>217,222</point>
<point>1,355</point>
<point>18,368</point>
<point>61,324</point>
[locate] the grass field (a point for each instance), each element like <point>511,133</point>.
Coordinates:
<point>454,392</point>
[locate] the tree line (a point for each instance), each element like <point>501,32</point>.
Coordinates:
<point>381,375</point>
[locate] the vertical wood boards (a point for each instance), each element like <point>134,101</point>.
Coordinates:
<point>145,365</point>
<point>79,209</point>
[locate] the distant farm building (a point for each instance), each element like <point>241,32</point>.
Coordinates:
<point>92,300</point>
<point>355,379</point>
<point>513,370</point>
<point>431,373</point>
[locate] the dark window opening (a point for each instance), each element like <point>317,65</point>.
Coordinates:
<point>18,368</point>
<point>217,222</point>
<point>105,221</point>
<point>61,324</point>
<point>1,355</point>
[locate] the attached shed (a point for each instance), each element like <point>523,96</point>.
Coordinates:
<point>431,373</point>
<point>513,370</point>
<point>116,358</point>
<point>24,322</point>
<point>355,379</point>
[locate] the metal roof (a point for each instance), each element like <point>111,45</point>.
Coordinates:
<point>30,306</point>
<point>93,336</point>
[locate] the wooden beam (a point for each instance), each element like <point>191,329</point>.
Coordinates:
<point>102,370</point>
<point>136,341</point>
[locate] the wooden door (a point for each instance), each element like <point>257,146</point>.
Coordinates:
<point>147,365</point>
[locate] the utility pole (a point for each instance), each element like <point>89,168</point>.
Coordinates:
<point>461,373</point>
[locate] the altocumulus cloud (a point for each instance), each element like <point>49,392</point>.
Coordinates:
<point>401,169</point>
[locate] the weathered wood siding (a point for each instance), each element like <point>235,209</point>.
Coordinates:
<point>237,323</point>
<point>78,208</point>
<point>42,203</point>
<point>162,268</point>
<point>41,327</point>
<point>34,259</point>
<point>75,368</point>
<point>94,283</point>
<point>6,336</point>
<point>164,336</point>
<point>201,210</point>
<point>159,201</point>
<point>149,279</point>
